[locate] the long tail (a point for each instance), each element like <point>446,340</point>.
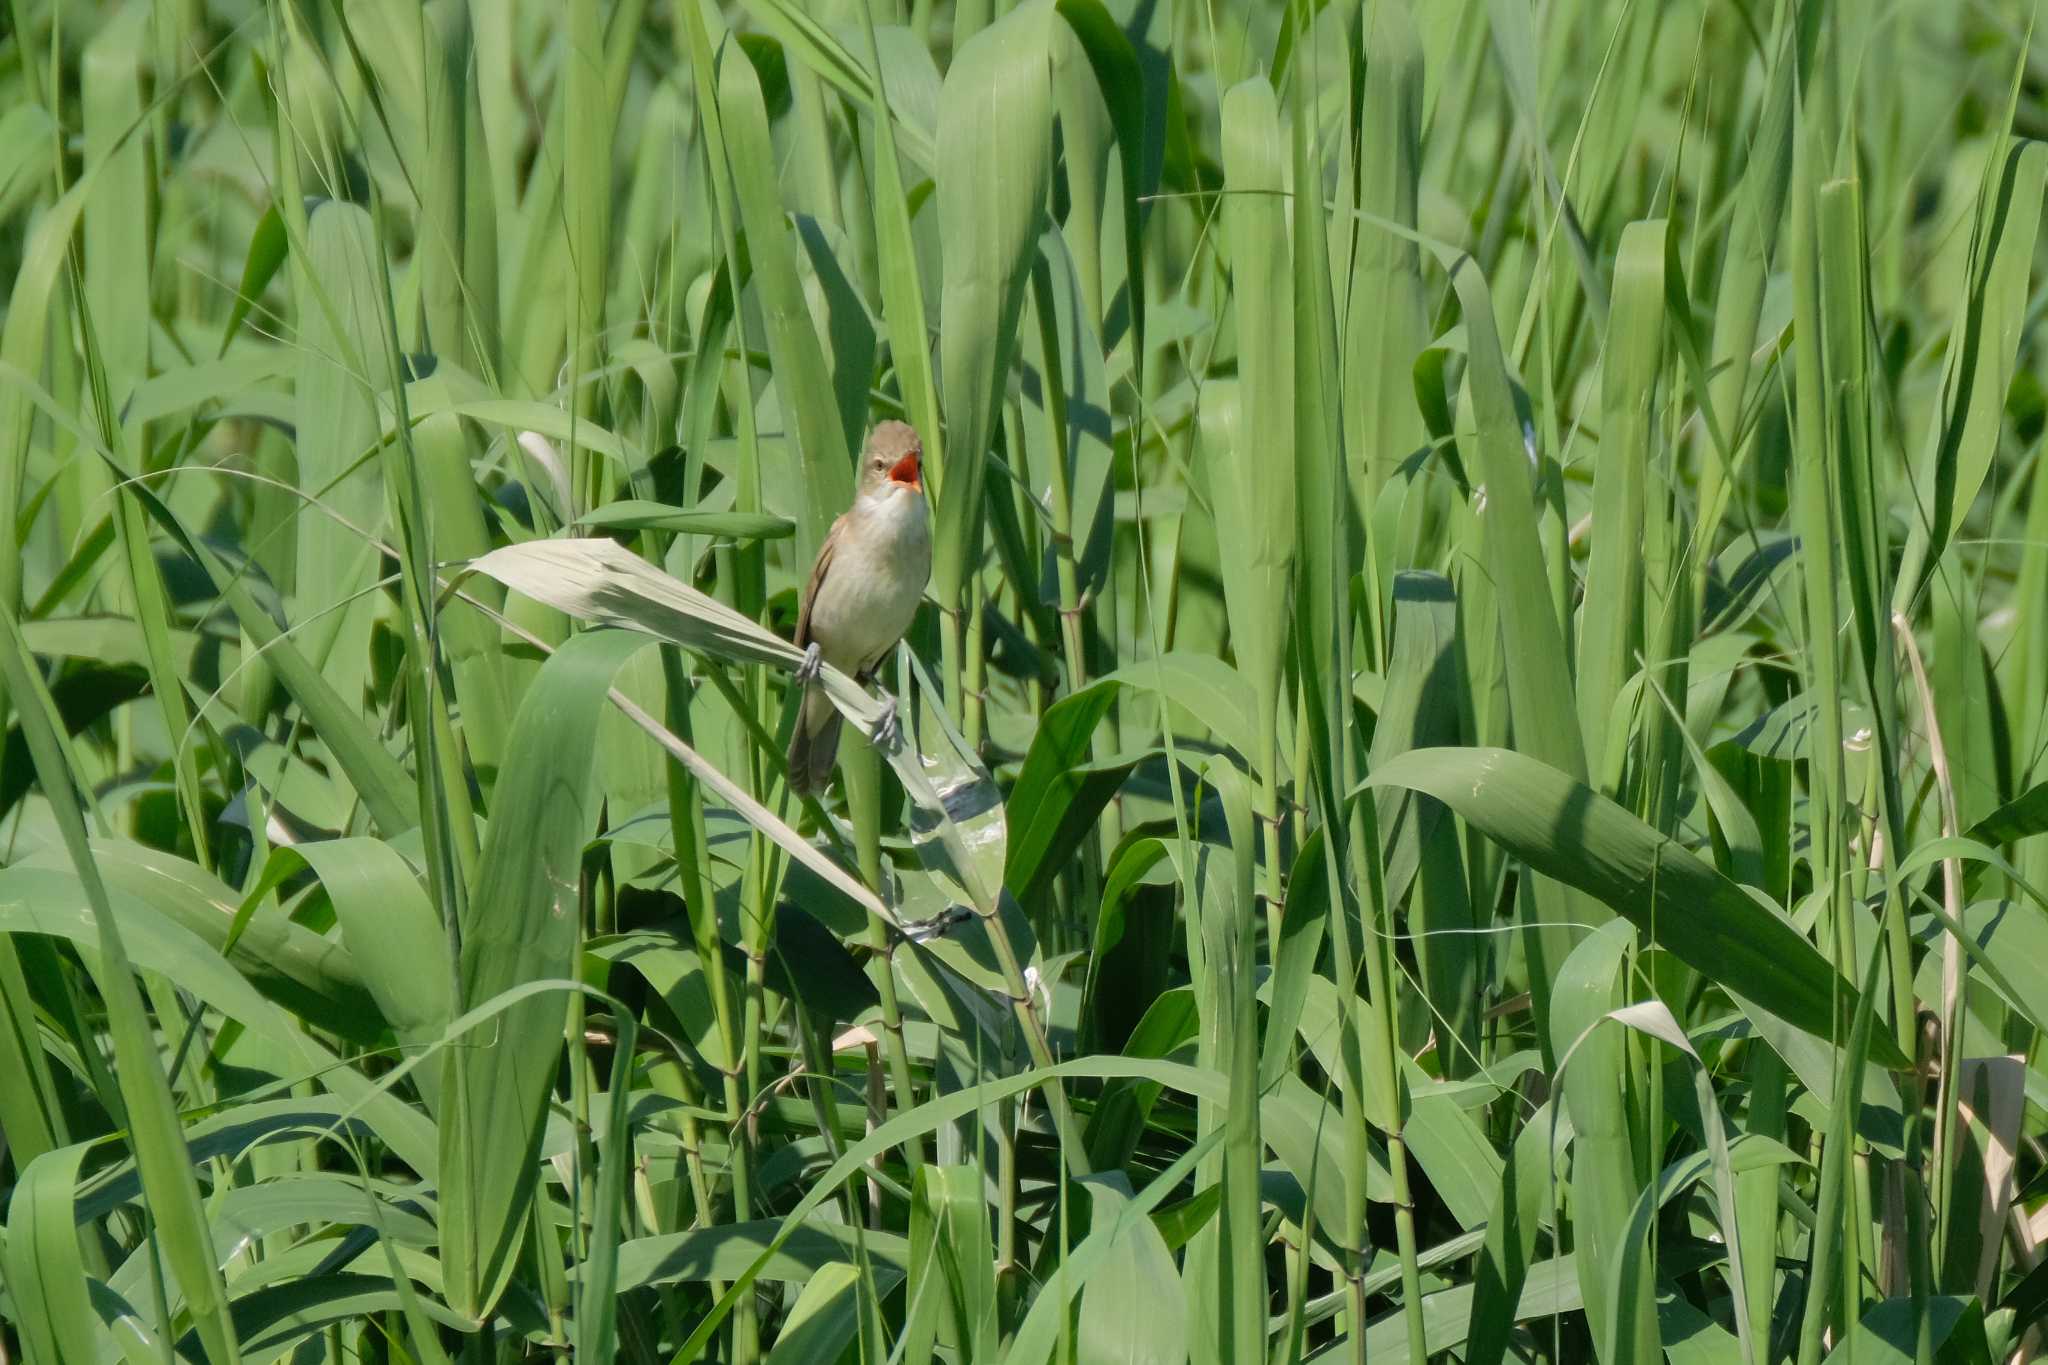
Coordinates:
<point>815,744</point>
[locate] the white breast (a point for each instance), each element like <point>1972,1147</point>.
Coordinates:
<point>877,576</point>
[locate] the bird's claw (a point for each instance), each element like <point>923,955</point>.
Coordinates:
<point>814,663</point>
<point>888,731</point>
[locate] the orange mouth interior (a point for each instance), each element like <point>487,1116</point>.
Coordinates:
<point>906,470</point>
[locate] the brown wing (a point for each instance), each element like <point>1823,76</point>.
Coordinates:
<point>803,611</point>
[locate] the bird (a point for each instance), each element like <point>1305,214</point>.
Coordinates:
<point>863,591</point>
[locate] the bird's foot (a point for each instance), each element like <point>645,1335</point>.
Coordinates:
<point>888,731</point>
<point>814,663</point>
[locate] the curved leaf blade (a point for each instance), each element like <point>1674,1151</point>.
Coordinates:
<point>1566,831</point>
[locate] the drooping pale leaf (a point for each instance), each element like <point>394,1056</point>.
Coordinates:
<point>959,829</point>
<point>1627,1277</point>
<point>635,514</point>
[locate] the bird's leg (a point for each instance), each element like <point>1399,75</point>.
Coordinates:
<point>813,664</point>
<point>888,731</point>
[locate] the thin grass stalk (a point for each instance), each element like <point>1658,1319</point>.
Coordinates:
<point>995,161</point>
<point>587,203</point>
<point>974,685</point>
<point>815,1055</point>
<point>582,1191</point>
<point>1383,1067</point>
<point>904,312</point>
<point>1009,1267</point>
<point>1753,229</point>
<point>1324,641</point>
<point>116,235</point>
<point>1814,440</point>
<point>903,295</point>
<point>449,819</point>
<point>743,569</point>
<point>1061,504</point>
<point>693,871</point>
<point>1947,1095</point>
<point>821,449</point>
<point>1860,532</point>
<point>860,770</point>
<point>145,588</point>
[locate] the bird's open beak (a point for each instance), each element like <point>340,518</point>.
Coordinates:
<point>908,470</point>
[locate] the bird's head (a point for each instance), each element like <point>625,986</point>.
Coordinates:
<point>892,460</point>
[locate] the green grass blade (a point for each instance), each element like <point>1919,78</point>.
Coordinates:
<point>1566,832</point>
<point>46,1276</point>
<point>1981,356</point>
<point>521,926</point>
<point>1595,1066</point>
<point>1422,709</point>
<point>994,171</point>
<point>1384,314</point>
<point>156,1138</point>
<point>823,445</point>
<point>1611,630</point>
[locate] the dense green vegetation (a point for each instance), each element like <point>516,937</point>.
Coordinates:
<point>1474,767</point>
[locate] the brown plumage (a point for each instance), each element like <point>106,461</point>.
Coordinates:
<point>863,590</point>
